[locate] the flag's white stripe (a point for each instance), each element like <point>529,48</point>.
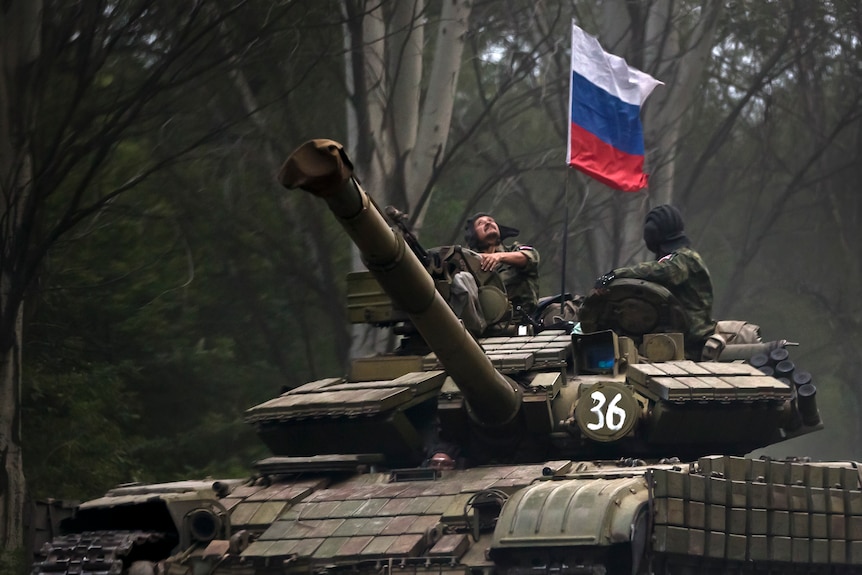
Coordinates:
<point>609,72</point>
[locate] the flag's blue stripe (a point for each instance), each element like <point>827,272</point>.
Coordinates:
<point>609,118</point>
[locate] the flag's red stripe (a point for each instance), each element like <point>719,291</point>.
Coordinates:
<point>605,163</point>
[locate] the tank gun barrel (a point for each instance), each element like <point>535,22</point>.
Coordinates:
<point>322,168</point>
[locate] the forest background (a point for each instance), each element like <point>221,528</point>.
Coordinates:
<point>156,281</point>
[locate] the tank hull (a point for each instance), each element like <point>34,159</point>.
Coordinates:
<point>719,514</point>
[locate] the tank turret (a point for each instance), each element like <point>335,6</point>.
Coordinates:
<point>623,390</point>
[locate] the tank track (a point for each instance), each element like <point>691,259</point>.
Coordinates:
<point>91,552</point>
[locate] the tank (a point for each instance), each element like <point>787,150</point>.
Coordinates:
<point>536,447</point>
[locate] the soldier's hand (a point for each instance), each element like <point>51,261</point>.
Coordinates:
<point>490,261</point>
<point>602,283</point>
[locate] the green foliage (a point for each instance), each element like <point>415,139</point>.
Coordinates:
<point>183,329</point>
<point>183,294</point>
<point>14,562</point>
<point>83,419</point>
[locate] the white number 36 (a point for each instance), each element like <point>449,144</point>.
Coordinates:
<point>614,417</point>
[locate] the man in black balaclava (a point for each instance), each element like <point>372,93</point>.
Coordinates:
<point>678,268</point>
<point>517,264</point>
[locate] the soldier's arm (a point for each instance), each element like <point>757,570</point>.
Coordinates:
<point>517,259</point>
<point>523,257</point>
<point>670,270</point>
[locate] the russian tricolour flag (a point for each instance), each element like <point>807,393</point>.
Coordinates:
<point>605,135</point>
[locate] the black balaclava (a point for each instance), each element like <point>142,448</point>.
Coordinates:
<point>470,231</point>
<point>664,231</point>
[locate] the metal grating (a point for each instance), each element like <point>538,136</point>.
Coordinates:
<point>682,381</point>
<point>521,353</point>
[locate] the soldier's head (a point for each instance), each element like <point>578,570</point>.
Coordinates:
<point>482,231</point>
<point>664,230</point>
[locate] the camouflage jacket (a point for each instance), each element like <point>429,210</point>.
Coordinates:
<point>685,275</point>
<point>522,284</point>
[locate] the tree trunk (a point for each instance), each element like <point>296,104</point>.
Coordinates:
<point>369,145</point>
<point>397,135</point>
<point>19,47</point>
<point>679,60</point>
<point>436,113</point>
<point>12,484</point>
<point>405,62</point>
<point>367,138</point>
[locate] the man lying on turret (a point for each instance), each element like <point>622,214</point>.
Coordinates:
<point>517,264</point>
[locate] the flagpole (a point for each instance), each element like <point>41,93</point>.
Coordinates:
<point>565,239</point>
